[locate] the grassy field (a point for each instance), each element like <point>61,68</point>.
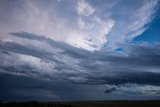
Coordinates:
<point>84,104</point>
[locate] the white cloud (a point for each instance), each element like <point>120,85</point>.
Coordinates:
<point>81,23</point>
<point>90,29</point>
<point>94,33</point>
<point>84,8</point>
<point>142,17</point>
<point>133,23</point>
<point>39,64</point>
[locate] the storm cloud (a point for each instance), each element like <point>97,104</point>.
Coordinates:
<point>140,64</point>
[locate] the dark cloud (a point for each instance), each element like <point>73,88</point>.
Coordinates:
<point>30,36</point>
<point>127,77</point>
<point>21,88</point>
<point>137,65</point>
<point>108,91</point>
<point>27,50</point>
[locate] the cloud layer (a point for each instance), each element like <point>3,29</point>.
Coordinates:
<point>50,59</point>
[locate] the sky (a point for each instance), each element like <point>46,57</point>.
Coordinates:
<point>65,50</point>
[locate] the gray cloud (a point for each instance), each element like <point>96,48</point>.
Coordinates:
<point>107,91</point>
<point>139,64</point>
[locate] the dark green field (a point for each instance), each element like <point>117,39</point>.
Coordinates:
<point>84,104</point>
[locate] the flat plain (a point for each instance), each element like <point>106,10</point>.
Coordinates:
<point>127,103</point>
